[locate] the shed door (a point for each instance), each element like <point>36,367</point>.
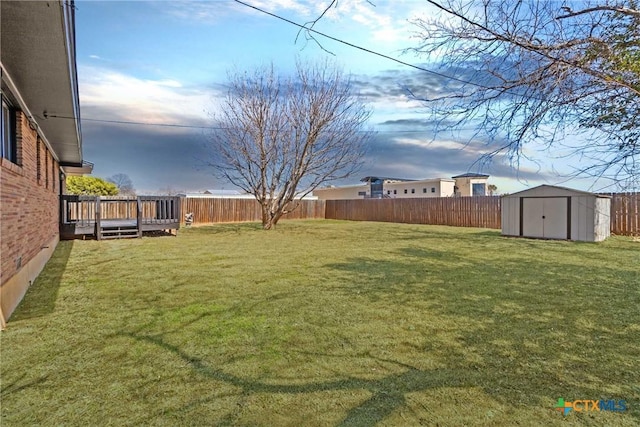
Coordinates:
<point>545,217</point>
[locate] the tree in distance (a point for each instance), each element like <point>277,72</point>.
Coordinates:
<point>90,186</point>
<point>124,184</point>
<point>280,137</point>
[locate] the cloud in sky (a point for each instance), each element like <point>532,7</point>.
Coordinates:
<point>123,97</point>
<point>165,62</point>
<point>160,157</point>
<point>213,11</point>
<point>153,157</point>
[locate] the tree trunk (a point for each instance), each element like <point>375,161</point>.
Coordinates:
<point>266,220</point>
<point>269,217</point>
<point>267,225</point>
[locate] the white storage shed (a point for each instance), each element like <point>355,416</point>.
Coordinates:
<point>550,212</point>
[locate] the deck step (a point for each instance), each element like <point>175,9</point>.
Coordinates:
<point>119,236</point>
<point>121,232</point>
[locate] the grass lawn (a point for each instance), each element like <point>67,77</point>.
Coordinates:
<point>326,323</point>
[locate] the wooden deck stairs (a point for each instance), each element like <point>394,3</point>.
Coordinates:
<point>117,217</point>
<point>118,229</point>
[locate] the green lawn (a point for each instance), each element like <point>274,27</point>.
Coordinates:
<point>326,323</point>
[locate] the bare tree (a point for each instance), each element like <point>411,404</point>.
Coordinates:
<point>281,137</point>
<point>565,74</point>
<point>124,184</point>
<point>544,72</point>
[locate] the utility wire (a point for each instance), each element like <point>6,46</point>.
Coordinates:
<point>125,122</point>
<point>364,49</point>
<point>174,125</point>
<point>306,28</point>
<point>382,55</point>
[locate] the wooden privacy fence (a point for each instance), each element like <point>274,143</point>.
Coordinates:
<point>455,211</point>
<point>216,210</point>
<point>625,214</point>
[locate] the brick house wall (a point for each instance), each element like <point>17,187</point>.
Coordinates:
<point>29,214</point>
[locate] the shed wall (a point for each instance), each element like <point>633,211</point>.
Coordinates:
<point>602,219</point>
<point>510,216</point>
<point>582,208</point>
<point>589,213</point>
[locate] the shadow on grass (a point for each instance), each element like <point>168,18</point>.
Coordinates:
<point>222,228</point>
<point>387,393</point>
<point>537,331</point>
<point>16,386</point>
<point>41,296</point>
<point>520,329</point>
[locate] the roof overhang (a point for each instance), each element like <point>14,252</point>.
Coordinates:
<point>38,62</point>
<point>84,168</point>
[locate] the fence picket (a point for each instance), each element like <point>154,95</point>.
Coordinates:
<point>454,211</point>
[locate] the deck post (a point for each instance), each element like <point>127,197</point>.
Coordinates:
<point>139,215</point>
<point>175,211</point>
<point>98,219</point>
<point>112,218</point>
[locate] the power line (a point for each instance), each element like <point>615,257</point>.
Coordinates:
<point>364,49</point>
<point>175,125</point>
<point>126,122</point>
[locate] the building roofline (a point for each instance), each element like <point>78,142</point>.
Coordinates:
<point>384,178</point>
<point>426,180</point>
<point>363,185</point>
<point>471,175</point>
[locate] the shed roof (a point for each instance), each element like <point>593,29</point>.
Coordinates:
<point>545,187</point>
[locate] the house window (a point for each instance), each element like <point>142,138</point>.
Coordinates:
<point>433,189</point>
<point>388,192</point>
<point>376,188</point>
<point>395,191</point>
<point>479,189</point>
<point>413,191</point>
<point>424,190</point>
<point>362,193</point>
<point>8,148</point>
<point>405,191</point>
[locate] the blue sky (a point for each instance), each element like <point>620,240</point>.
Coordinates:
<point>166,62</point>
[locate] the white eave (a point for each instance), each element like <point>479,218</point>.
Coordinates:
<point>85,169</point>
<point>38,59</point>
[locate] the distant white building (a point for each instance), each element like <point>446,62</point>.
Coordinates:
<point>373,187</point>
<point>218,194</point>
<point>227,194</point>
<point>471,184</point>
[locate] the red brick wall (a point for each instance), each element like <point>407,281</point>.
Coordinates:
<point>29,208</point>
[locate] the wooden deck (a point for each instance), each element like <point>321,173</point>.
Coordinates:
<point>117,217</point>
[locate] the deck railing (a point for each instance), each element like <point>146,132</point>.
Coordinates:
<point>82,215</point>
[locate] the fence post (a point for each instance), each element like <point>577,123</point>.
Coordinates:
<point>139,216</point>
<point>98,220</point>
